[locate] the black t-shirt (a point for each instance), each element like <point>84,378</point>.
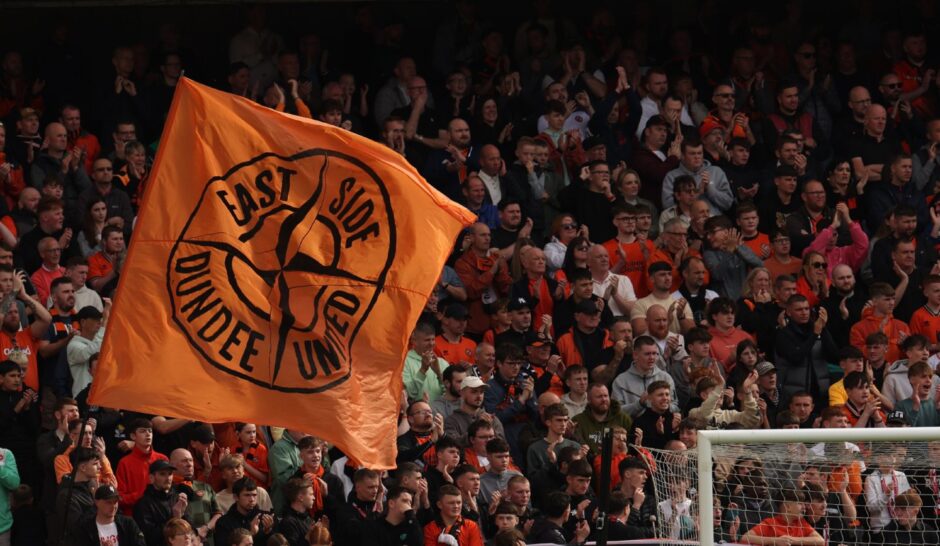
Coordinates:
<point>871,151</point>
<point>503,238</point>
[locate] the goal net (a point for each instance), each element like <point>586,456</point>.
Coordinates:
<point>820,486</point>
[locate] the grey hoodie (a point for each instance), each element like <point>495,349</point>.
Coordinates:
<point>629,386</point>
<point>719,194</point>
<point>896,386</point>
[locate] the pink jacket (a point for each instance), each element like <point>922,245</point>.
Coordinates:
<point>852,255</point>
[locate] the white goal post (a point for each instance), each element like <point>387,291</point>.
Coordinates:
<point>707,439</point>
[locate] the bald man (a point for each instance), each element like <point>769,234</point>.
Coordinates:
<point>485,276</point>
<point>851,124</point>
<point>875,147</point>
<point>844,304</point>
<point>203,509</point>
<point>536,286</point>
<point>448,166</point>
<point>55,161</point>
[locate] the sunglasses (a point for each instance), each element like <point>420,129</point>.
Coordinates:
<point>819,265</point>
<point>569,226</point>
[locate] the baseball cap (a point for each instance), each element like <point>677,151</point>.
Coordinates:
<point>896,417</point>
<point>106,492</point>
<point>519,303</point>
<point>764,368</point>
<point>587,307</point>
<point>471,382</point>
<point>456,311</point>
<point>88,312</point>
<point>534,339</point>
<point>785,170</point>
<point>160,466</point>
<point>202,434</point>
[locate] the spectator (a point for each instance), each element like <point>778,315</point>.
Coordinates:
<point>802,349</point>
<point>727,257</point>
<point>159,502</point>
<point>484,273</point>
<point>134,468</point>
<point>55,161</point>
<point>108,524</point>
<point>711,183</point>
<point>85,344</point>
<point>283,460</point>
<point>725,335</point>
<point>245,514</point>
<point>629,388</point>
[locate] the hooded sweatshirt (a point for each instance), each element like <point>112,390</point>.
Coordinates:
<point>897,387</point>
<point>724,345</point>
<point>718,194</point>
<point>629,386</point>
<point>590,431</point>
<point>714,416</point>
<point>870,324</point>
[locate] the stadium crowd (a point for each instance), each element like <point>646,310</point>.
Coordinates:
<point>674,233</point>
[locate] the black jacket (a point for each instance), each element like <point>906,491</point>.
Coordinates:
<point>545,531</point>
<point>350,519</point>
<point>48,447</point>
<point>72,508</point>
<point>129,534</point>
<point>153,510</point>
<point>802,360</point>
<point>294,525</point>
<point>233,519</point>
<point>379,532</point>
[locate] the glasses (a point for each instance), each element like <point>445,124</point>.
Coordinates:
<point>421,412</point>
<point>569,226</point>
<point>819,265</point>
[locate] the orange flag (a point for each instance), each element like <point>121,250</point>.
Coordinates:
<point>277,269</point>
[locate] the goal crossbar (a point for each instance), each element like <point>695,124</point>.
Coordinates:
<point>708,438</point>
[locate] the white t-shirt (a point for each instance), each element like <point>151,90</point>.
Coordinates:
<point>623,286</point>
<point>107,534</point>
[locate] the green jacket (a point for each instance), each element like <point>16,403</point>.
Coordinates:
<point>9,480</point>
<point>417,383</point>
<point>591,432</point>
<point>283,460</point>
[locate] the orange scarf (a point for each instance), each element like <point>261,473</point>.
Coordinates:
<point>317,496</point>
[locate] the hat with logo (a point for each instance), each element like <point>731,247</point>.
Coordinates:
<point>896,417</point>
<point>519,303</point>
<point>106,492</point>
